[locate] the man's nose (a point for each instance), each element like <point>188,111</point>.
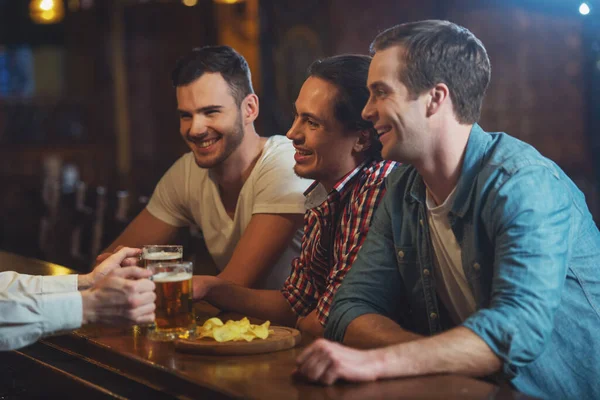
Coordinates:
<point>368,112</point>
<point>198,126</point>
<point>294,133</point>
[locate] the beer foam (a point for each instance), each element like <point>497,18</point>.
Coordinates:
<point>163,277</point>
<point>162,256</point>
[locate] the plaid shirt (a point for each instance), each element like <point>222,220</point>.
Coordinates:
<point>341,218</point>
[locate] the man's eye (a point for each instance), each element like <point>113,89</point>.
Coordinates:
<point>211,112</point>
<point>184,116</point>
<point>312,124</point>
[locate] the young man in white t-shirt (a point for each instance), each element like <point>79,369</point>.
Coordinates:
<point>237,187</point>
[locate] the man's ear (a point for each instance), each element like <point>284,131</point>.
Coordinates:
<point>363,142</point>
<point>438,95</point>
<point>250,108</point>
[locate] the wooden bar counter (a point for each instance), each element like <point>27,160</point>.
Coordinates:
<point>105,362</point>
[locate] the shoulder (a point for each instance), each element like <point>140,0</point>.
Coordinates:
<point>402,174</point>
<point>510,170</point>
<point>275,169</point>
<point>510,155</point>
<point>277,144</point>
<point>183,163</point>
<point>277,157</point>
<point>185,168</point>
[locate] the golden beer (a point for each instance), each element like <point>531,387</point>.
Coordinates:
<point>174,308</point>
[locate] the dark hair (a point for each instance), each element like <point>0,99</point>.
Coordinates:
<point>222,59</point>
<point>348,73</point>
<point>435,52</point>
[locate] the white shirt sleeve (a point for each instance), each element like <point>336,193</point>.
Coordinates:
<point>278,190</point>
<point>169,202</point>
<point>32,307</point>
<point>13,282</point>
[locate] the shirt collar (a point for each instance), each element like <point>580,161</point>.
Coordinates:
<point>316,193</point>
<point>476,148</point>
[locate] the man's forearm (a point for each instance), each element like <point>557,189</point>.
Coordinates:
<point>373,330</point>
<point>457,351</point>
<point>265,304</point>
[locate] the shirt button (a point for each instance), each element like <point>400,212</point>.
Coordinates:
<point>433,315</point>
<point>421,222</point>
<point>476,266</point>
<point>401,254</point>
<point>426,272</point>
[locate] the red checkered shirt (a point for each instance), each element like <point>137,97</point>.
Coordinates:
<point>348,208</point>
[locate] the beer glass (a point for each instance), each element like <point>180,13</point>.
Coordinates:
<point>174,309</point>
<point>152,254</point>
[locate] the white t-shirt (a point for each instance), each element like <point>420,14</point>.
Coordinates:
<point>451,282</point>
<point>187,195</point>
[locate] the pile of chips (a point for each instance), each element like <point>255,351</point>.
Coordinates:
<point>233,330</point>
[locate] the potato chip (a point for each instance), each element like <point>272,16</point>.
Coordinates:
<point>233,330</point>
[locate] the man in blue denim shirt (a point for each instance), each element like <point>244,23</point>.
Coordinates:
<point>482,258</point>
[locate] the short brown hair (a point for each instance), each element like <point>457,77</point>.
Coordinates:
<point>441,52</point>
<point>348,73</point>
<point>215,59</point>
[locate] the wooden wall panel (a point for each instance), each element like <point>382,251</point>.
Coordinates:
<point>293,35</point>
<point>354,24</point>
<point>157,34</point>
<point>537,92</point>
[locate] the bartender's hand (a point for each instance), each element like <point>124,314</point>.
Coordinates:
<point>125,296</point>
<point>122,257</point>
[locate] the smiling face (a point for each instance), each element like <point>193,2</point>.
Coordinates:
<point>398,116</point>
<point>325,150</point>
<point>210,121</point>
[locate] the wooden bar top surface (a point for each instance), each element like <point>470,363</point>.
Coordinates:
<point>128,352</point>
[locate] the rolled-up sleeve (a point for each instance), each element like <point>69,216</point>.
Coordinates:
<point>298,289</point>
<point>530,217</point>
<point>372,286</point>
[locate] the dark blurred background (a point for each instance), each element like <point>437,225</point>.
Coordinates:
<point>88,120</point>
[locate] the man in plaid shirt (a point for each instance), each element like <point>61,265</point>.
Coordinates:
<point>340,151</point>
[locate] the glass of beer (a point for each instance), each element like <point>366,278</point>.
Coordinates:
<point>174,309</point>
<point>153,254</point>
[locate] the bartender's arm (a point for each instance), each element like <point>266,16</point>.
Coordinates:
<point>32,307</point>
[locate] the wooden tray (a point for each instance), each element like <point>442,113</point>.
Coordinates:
<point>282,338</point>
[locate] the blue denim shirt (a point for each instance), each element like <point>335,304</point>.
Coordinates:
<point>530,253</point>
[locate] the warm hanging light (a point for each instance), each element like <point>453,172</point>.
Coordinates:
<point>228,1</point>
<point>46,11</point>
<point>190,3</point>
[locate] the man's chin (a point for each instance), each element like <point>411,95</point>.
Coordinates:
<point>304,174</point>
<point>206,162</point>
